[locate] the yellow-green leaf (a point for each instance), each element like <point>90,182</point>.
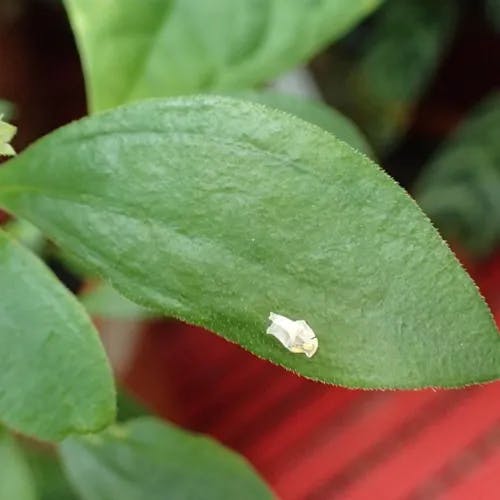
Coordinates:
<point>7,132</point>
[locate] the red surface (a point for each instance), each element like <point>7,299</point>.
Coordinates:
<point>312,441</point>
<point>479,483</point>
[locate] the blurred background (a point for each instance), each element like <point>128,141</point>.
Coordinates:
<point>420,78</point>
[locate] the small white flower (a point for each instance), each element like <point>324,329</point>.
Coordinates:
<point>7,132</point>
<point>296,336</point>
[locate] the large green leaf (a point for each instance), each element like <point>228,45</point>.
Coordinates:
<point>315,112</point>
<point>133,49</point>
<point>54,379</point>
<point>16,479</point>
<point>147,458</point>
<point>460,188</point>
<point>218,211</point>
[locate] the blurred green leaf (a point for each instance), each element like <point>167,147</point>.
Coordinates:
<point>414,31</point>
<point>154,460</point>
<point>129,407</point>
<point>218,211</point>
<point>105,302</point>
<point>133,49</point>
<point>400,57</point>
<point>6,109</point>
<point>72,263</point>
<point>26,233</point>
<point>16,479</point>
<point>54,379</point>
<point>460,188</point>
<point>314,112</point>
<point>49,477</point>
<point>493,12</point>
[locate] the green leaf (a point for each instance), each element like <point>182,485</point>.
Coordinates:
<point>16,479</point>
<point>401,54</point>
<point>7,132</point>
<point>133,49</point>
<point>431,24</point>
<point>460,188</point>
<point>147,458</point>
<point>50,479</point>
<point>27,234</point>
<point>105,302</point>
<point>219,211</point>
<point>129,407</point>
<point>493,12</point>
<point>314,112</point>
<point>6,109</point>
<point>55,379</point>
